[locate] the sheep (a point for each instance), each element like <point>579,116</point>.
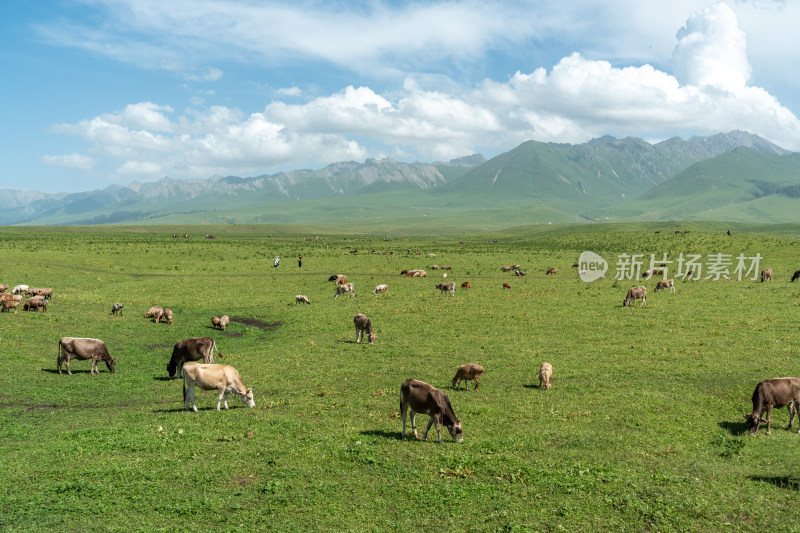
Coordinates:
<point>301,299</point>
<point>545,375</point>
<point>467,372</point>
<point>19,289</point>
<point>466,285</point>
<point>223,322</point>
<point>43,292</point>
<point>380,288</point>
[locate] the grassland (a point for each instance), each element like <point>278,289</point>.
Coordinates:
<point>642,430</point>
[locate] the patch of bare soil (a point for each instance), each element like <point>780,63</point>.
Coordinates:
<point>256,322</point>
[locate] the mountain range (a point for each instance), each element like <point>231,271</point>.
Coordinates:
<point>733,176</point>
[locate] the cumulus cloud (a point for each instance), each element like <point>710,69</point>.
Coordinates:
<point>577,99</point>
<point>76,161</point>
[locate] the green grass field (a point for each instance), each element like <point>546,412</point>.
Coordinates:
<point>642,430</point>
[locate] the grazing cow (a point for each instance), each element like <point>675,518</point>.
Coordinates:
<point>8,304</point>
<point>466,285</point>
<point>446,268</point>
<point>215,322</point>
<point>551,271</point>
<point>545,375</point>
<point>342,289</point>
<point>192,349</point>
<point>224,378</point>
<point>506,286</point>
<point>507,268</point>
<point>576,265</point>
<point>35,303</point>
<point>774,393</point>
<point>363,324</point>
<point>19,289</point>
<point>83,348</point>
<point>167,315</point>
<point>3,287</point>
<point>665,284</point>
<point>519,273</point>
<point>156,312</point>
<point>333,278</point>
<point>633,294</point>
<point>223,322</point>
<point>465,373</point>
<point>380,288</point>
<point>301,299</point>
<point>451,286</point>
<point>43,292</point>
<point>796,276</point>
<point>117,307</point>
<point>419,397</point>
<point>766,275</point>
<point>434,267</point>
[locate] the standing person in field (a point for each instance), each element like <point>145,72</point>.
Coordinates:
<point>299,261</point>
<point>277,262</point>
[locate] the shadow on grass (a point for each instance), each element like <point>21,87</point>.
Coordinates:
<point>782,482</point>
<point>533,386</point>
<point>394,435</point>
<point>734,428</point>
<point>55,371</point>
<point>174,410</point>
<point>164,378</point>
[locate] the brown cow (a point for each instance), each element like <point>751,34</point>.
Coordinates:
<point>156,312</point>
<point>35,303</point>
<point>775,392</point>
<point>796,276</point>
<point>766,275</point>
<point>443,287</point>
<point>43,292</point>
<point>466,285</point>
<point>507,268</point>
<point>192,349</point>
<point>633,294</point>
<point>83,348</point>
<point>665,284</point>
<point>363,324</point>
<point>506,286</point>
<point>551,271</point>
<point>224,378</point>
<point>167,315</point>
<point>465,373</point>
<point>420,397</point>
<point>9,303</point>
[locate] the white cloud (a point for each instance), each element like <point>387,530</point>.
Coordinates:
<point>76,161</point>
<point>579,98</point>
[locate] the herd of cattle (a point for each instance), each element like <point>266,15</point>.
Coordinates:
<point>415,396</point>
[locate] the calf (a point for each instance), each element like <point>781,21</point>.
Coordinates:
<point>545,375</point>
<point>380,288</point>
<point>363,323</point>
<point>665,284</point>
<point>633,294</point>
<point>465,373</point>
<point>117,307</point>
<point>451,286</point>
<point>775,392</point>
<point>224,378</point>
<point>83,348</point>
<point>192,349</point>
<point>466,285</point>
<point>419,397</point>
<point>301,299</point>
<point>766,275</point>
<point>343,289</point>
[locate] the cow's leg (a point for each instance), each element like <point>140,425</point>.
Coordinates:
<point>428,427</point>
<point>769,419</point>
<point>221,397</point>
<point>476,383</point>
<point>190,397</point>
<point>792,410</point>
<point>66,363</point>
<point>403,410</point>
<point>413,417</point>
<point>93,369</point>
<point>358,335</point>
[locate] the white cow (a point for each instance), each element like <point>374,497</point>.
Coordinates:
<point>224,378</point>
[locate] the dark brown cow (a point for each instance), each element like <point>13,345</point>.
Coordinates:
<point>796,276</point>
<point>506,286</point>
<point>771,393</point>
<point>83,348</point>
<point>466,285</point>
<point>420,397</point>
<point>633,294</point>
<point>192,349</point>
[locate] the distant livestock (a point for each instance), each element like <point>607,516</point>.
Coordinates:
<point>35,303</point>
<point>8,304</point>
<point>83,348</point>
<point>774,393</point>
<point>444,287</point>
<point>192,349</point>
<point>794,278</point>
<point>363,325</point>
<point>466,285</point>
<point>167,315</point>
<point>344,289</point>
<point>665,284</point>
<point>117,307</point>
<point>380,288</point>
<point>506,286</point>
<point>635,293</point>
<point>420,397</point>
<point>39,291</point>
<point>223,322</point>
<point>468,372</point>
<point>766,275</point>
<point>223,378</point>
<point>545,375</point>
<point>413,273</point>
<point>19,289</point>
<point>507,268</point>
<point>301,299</point>
<point>519,273</point>
<point>215,322</point>
<point>156,312</point>
<point>551,271</point>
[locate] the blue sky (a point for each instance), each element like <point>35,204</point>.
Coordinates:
<point>101,92</point>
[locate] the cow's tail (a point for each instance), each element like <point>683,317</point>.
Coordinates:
<point>214,349</point>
